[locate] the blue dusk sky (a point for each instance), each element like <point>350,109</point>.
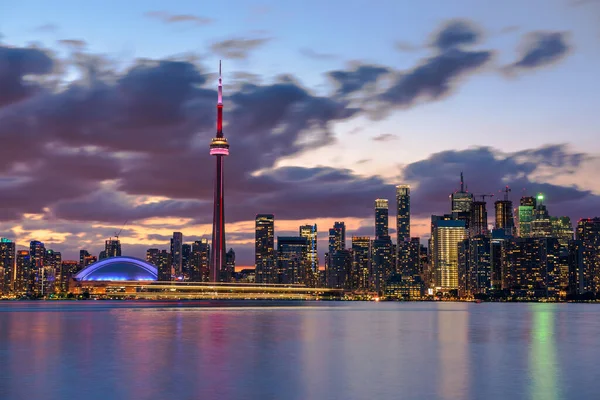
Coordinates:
<point>107,109</point>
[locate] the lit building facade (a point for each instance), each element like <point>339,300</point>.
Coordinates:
<point>381,218</point>
<point>361,261</point>
<point>474,266</point>
<point>310,233</point>
<point>446,234</point>
<point>264,249</point>
<point>177,254</point>
<point>525,215</point>
<point>7,265</point>
<point>504,216</point>
<point>402,213</point>
<point>382,262</point>
<point>23,271</point>
<point>292,261</point>
<point>200,260</point>
<point>541,224</point>
<point>112,248</point>
<point>588,233</point>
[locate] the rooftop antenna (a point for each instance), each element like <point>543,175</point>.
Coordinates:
<point>506,191</point>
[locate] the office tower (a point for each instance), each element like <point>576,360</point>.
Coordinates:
<point>525,215</point>
<point>474,266</point>
<point>479,219</point>
<point>381,218</point>
<point>52,263</point>
<point>361,261</point>
<point>588,233</point>
<point>230,266</point>
<point>339,273</point>
<point>498,238</point>
<point>264,249</point>
<point>112,248</point>
<point>176,255</point>
<point>562,229</point>
<point>23,272</point>
<point>462,203</point>
<point>382,262</point>
<point>504,214</point>
<point>200,261</point>
<point>310,233</point>
<point>409,267</point>
<point>220,149</point>
<point>576,268</point>
<point>7,265</point>
<point>164,265</point>
<point>530,265</point>
<point>292,261</point>
<point>68,269</point>
<point>82,255</point>
<point>402,213</point>
<point>37,255</point>
<point>446,234</point>
<point>337,237</point>
<point>541,224</point>
<point>186,260</point>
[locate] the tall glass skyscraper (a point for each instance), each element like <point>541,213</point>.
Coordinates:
<point>7,265</point>
<point>337,237</point>
<point>310,233</point>
<point>177,254</point>
<point>504,216</point>
<point>525,216</point>
<point>381,218</point>
<point>446,234</point>
<point>264,248</point>
<point>588,233</point>
<point>402,214</point>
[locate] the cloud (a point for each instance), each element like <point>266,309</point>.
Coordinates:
<point>356,79</point>
<point>73,43</point>
<point>407,47</point>
<point>540,49</point>
<point>385,137</point>
<point>434,77</point>
<point>47,28</point>
<point>169,18</point>
<point>456,33</point>
<point>315,55</point>
<point>237,48</point>
<point>17,63</point>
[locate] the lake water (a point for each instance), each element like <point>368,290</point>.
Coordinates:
<point>316,350</point>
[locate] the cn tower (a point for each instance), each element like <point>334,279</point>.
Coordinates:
<point>218,148</point>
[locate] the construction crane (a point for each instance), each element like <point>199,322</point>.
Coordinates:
<point>506,191</point>
<point>117,234</point>
<point>483,196</point>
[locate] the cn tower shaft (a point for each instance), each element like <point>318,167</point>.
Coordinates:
<point>220,149</point>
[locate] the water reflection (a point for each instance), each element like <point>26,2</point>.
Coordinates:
<point>544,370</point>
<point>328,351</point>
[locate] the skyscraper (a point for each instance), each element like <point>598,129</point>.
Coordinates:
<point>292,261</point>
<point>177,255</point>
<point>264,249</point>
<point>310,233</point>
<point>37,255</point>
<point>23,271</point>
<point>479,219</point>
<point>462,203</point>
<point>361,261</point>
<point>82,256</point>
<point>588,233</point>
<point>230,270</point>
<point>7,265</point>
<point>504,214</point>
<point>186,260</point>
<point>474,266</point>
<point>200,261</point>
<point>402,213</point>
<point>112,248</point>
<point>446,234</point>
<point>525,216</point>
<point>153,256</point>
<point>220,149</point>
<point>337,237</point>
<point>164,265</point>
<point>381,218</point>
<point>541,224</point>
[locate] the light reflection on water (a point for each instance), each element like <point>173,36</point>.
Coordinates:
<point>105,350</point>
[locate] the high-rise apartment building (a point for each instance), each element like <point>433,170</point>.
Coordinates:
<point>381,218</point>
<point>541,224</point>
<point>504,216</point>
<point>82,256</point>
<point>382,262</point>
<point>337,237</point>
<point>446,234</point>
<point>588,233</point>
<point>479,219</point>
<point>164,266</point>
<point>37,257</point>
<point>310,233</point>
<point>264,249</point>
<point>68,268</point>
<point>112,248</point>
<point>361,261</point>
<point>474,266</point>
<point>339,270</point>
<point>7,265</point>
<point>200,259</point>
<point>177,255</point>
<point>23,271</point>
<point>402,213</point>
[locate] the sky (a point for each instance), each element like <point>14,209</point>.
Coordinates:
<point>107,109</point>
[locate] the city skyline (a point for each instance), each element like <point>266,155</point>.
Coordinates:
<point>104,137</point>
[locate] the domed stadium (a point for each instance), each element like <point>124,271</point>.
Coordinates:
<point>118,269</point>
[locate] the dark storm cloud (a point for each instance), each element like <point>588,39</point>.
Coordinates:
<point>15,64</point>
<point>237,48</point>
<point>489,171</point>
<point>169,18</point>
<point>540,49</point>
<point>350,81</point>
<point>456,33</point>
<point>434,77</point>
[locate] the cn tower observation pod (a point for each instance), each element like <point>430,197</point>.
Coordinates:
<point>118,269</point>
